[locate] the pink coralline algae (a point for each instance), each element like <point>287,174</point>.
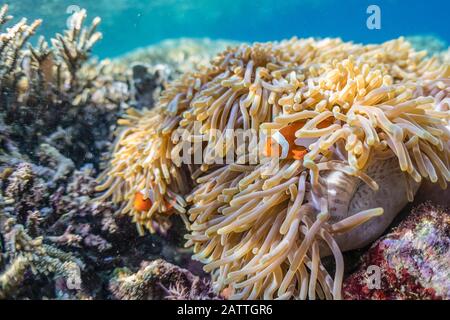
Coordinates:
<point>412,261</point>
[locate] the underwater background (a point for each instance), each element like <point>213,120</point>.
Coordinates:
<point>129,24</point>
<point>70,84</point>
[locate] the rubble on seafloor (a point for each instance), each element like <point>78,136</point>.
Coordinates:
<point>160,280</point>
<point>410,262</point>
<point>58,115</point>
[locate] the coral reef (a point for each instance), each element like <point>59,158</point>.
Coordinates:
<point>433,44</point>
<point>154,66</point>
<point>178,55</point>
<point>43,87</point>
<point>58,237</point>
<point>413,260</point>
<point>58,115</point>
<point>260,235</point>
<point>26,252</point>
<point>346,113</point>
<point>159,280</point>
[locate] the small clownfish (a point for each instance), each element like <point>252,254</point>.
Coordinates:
<point>286,145</point>
<point>145,204</point>
<point>141,204</point>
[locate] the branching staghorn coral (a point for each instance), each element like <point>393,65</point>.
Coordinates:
<point>26,72</point>
<point>353,131</point>
<point>52,134</point>
<point>49,89</point>
<point>11,53</point>
<point>48,234</point>
<point>31,253</point>
<point>12,277</point>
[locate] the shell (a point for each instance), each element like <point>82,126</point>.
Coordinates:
<point>347,195</point>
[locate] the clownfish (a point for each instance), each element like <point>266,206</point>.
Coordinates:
<point>142,203</point>
<point>286,145</point>
<point>282,143</point>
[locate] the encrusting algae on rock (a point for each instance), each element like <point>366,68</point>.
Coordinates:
<point>261,228</point>
<point>414,259</point>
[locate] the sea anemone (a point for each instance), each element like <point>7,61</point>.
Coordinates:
<point>352,131</point>
<point>142,178</point>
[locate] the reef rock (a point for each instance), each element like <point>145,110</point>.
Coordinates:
<point>158,280</point>
<point>411,262</point>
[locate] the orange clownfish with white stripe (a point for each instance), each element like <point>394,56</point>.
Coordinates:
<point>144,202</point>
<point>284,144</point>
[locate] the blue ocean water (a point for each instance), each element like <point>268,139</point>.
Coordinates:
<point>129,24</point>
